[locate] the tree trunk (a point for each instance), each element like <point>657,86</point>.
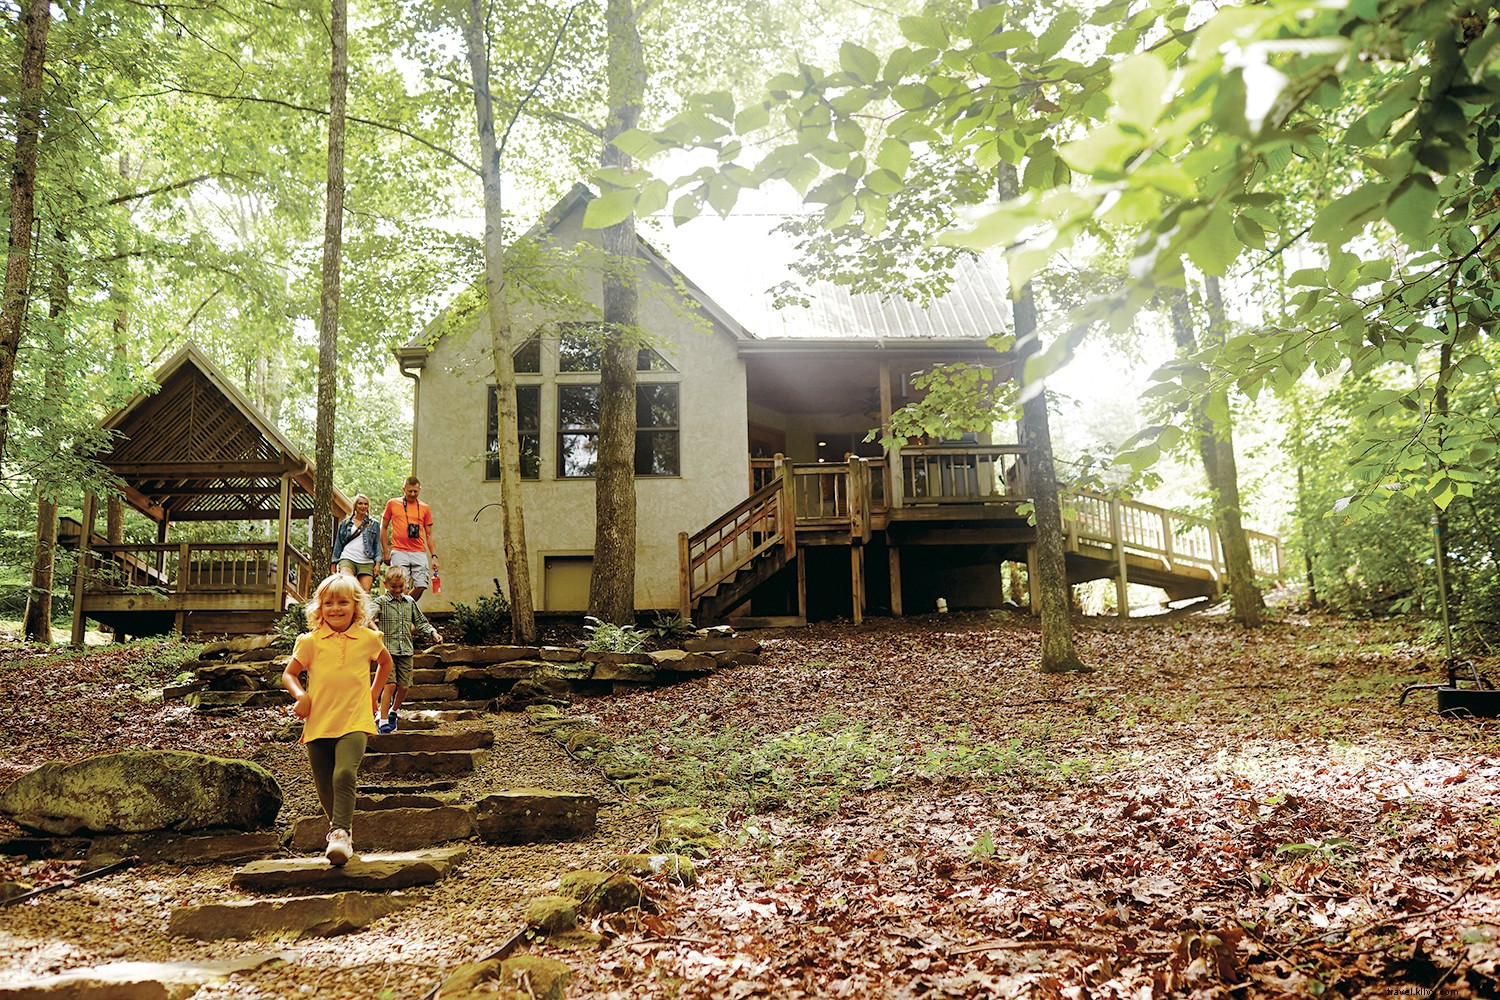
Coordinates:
<point>612,584</point>
<point>1058,653</point>
<point>1215,440</point>
<point>37,625</point>
<point>36,18</point>
<point>328,311</point>
<point>517,566</point>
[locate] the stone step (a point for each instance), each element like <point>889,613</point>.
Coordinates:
<point>118,980</point>
<point>379,872</point>
<point>397,829</point>
<point>456,739</point>
<point>408,788</point>
<point>529,815</point>
<point>431,675</point>
<point>303,916</point>
<point>234,699</point>
<point>440,762</point>
<point>185,849</point>
<point>416,798</point>
<point>452,710</point>
<point>432,692</point>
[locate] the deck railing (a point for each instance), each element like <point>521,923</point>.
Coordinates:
<point>757,524</point>
<point>196,568</point>
<point>1177,539</point>
<point>963,474</point>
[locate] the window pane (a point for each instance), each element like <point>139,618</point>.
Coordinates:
<point>528,404</point>
<point>577,454</point>
<point>656,406</point>
<point>529,357</point>
<point>577,407</point>
<point>656,453</point>
<point>580,349</point>
<point>649,361</point>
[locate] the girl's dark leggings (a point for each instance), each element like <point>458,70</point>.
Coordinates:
<point>335,767</point>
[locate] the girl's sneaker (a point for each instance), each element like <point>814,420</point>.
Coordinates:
<point>340,848</point>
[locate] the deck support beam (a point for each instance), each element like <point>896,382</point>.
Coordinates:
<point>893,553</point>
<point>80,570</point>
<point>1122,582</point>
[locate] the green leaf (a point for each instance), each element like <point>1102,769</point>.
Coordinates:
<point>1214,247</point>
<point>1059,32</point>
<point>1341,218</point>
<point>638,145</point>
<point>1412,209</point>
<point>893,155</point>
<point>756,116</point>
<point>1106,150</point>
<point>859,62</point>
<point>610,209</point>
<point>925,30</point>
<point>1138,88</point>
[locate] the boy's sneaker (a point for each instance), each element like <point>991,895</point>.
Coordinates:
<point>384,727</point>
<point>392,720</point>
<point>340,848</point>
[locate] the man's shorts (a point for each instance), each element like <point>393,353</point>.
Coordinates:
<point>418,575</point>
<point>401,671</point>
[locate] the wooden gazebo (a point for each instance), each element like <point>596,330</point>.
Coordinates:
<point>196,450</point>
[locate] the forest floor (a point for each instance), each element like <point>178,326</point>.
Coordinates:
<point>910,809</point>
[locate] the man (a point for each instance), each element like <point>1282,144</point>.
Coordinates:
<point>406,537</point>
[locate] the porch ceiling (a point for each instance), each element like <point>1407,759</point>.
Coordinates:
<point>843,376</point>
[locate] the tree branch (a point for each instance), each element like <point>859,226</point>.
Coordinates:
<point>557,116</point>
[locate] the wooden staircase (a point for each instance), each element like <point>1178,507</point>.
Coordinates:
<point>726,561</point>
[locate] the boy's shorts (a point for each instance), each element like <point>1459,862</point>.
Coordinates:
<point>401,671</point>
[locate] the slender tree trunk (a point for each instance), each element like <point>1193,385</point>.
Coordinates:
<point>612,584</point>
<point>1304,522</point>
<point>328,311</point>
<point>36,18</point>
<point>517,566</point>
<point>37,624</point>
<point>1058,652</point>
<point>1216,448</point>
<point>1440,522</point>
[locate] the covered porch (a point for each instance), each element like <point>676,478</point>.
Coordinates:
<point>197,451</point>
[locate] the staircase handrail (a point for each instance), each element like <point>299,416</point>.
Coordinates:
<point>760,512</point>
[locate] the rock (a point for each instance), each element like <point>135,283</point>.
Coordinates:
<point>469,675</point>
<point>432,692</point>
<point>631,672</point>
<point>449,653</point>
<point>254,698</point>
<point>391,829</point>
<point>219,848</point>
<point>425,661</point>
<point>258,655</point>
<point>528,815</point>
<point>140,790</point>
<point>462,739</point>
<point>304,916</point>
<point>10,890</point>
<point>603,892</point>
<point>561,654</point>
<point>520,976</point>
<point>135,980</point>
<point>536,693</point>
<point>687,830</point>
<point>380,872</point>
<point>680,661</point>
<point>674,867</point>
<point>722,643</point>
<point>406,764</point>
<point>552,914</point>
<point>729,658</point>
<point>642,659</point>
<point>414,799</point>
<point>242,644</point>
<point>586,742</point>
<point>566,671</point>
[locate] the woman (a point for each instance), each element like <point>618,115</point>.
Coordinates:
<point>356,544</point>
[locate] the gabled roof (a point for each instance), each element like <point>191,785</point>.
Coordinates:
<point>199,450</point>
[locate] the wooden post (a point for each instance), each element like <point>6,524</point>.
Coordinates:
<point>80,571</point>
<point>283,545</point>
<point>1033,587</point>
<point>857,581</point>
<point>858,502</point>
<point>1166,536</point>
<point>894,487</point>
<point>802,584</point>
<point>894,555</point>
<point>787,471</point>
<point>1122,583</point>
<point>684,576</point>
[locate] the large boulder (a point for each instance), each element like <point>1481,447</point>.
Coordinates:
<point>138,791</point>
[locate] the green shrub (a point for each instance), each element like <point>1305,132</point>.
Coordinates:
<point>670,625</point>
<point>607,637</point>
<point>291,624</point>
<point>485,623</point>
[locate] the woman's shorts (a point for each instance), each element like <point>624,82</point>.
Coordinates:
<point>357,568</point>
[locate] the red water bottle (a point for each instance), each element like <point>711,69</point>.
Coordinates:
<point>437,584</point>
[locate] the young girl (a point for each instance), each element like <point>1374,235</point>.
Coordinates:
<point>338,703</point>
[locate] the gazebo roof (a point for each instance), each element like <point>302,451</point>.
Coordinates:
<point>198,450</point>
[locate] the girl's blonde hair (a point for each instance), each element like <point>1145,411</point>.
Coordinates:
<point>344,586</point>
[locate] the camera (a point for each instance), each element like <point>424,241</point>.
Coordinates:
<point>413,531</point>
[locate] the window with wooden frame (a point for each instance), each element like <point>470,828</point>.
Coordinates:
<point>529,428</point>
<point>656,437</point>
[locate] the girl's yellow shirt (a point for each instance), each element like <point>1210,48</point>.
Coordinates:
<point>338,679</point>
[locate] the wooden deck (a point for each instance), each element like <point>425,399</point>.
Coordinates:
<point>197,588</point>
<point>970,496</point>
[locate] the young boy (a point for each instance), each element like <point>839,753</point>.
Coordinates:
<point>398,617</point>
